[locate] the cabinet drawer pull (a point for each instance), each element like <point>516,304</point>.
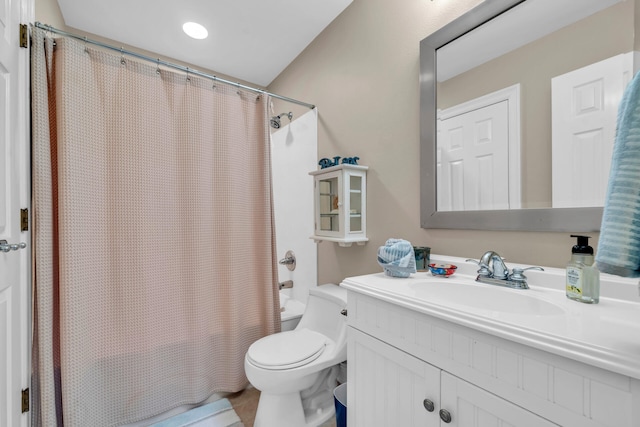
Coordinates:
<point>445,416</point>
<point>428,405</point>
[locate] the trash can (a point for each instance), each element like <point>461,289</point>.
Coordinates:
<point>340,399</point>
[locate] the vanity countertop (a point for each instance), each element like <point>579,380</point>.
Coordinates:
<point>605,335</point>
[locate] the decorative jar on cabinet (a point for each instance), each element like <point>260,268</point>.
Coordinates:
<point>341,204</point>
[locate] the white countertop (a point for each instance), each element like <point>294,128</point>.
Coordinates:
<point>605,335</point>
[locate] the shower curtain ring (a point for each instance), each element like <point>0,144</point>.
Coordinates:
<point>158,66</point>
<point>214,82</point>
<point>188,78</point>
<point>85,45</point>
<point>122,60</point>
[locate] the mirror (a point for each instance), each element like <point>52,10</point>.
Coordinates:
<point>526,58</point>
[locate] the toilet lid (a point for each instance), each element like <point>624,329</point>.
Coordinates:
<point>287,350</point>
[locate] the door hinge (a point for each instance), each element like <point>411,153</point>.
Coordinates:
<point>25,400</point>
<point>24,35</point>
<point>24,219</point>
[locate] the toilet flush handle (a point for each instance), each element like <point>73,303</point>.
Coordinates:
<point>343,312</point>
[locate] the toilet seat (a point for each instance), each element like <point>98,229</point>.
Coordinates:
<point>287,350</point>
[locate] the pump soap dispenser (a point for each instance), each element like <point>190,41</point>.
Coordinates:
<point>583,278</point>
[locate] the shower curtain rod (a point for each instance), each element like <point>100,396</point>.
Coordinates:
<point>170,64</point>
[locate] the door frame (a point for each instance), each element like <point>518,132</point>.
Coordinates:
<point>18,196</point>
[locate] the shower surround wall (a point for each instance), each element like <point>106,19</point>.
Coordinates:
<point>294,149</point>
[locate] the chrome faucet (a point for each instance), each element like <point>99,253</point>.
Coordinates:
<point>499,270</point>
<point>494,271</point>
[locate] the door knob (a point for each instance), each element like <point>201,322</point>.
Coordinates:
<point>6,247</point>
<point>445,416</point>
<point>428,405</point>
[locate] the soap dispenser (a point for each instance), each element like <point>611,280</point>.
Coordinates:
<point>583,278</point>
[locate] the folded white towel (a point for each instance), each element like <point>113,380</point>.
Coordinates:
<point>619,243</point>
<point>396,258</point>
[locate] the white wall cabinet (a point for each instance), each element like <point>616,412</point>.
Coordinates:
<point>399,355</point>
<point>340,201</point>
<point>394,388</point>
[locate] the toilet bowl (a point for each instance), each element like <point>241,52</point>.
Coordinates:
<point>296,370</point>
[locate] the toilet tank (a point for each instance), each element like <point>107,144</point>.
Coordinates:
<point>323,311</point>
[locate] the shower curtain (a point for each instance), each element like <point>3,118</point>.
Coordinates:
<point>153,242</point>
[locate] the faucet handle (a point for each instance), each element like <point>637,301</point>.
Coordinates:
<point>484,268</point>
<point>517,273</point>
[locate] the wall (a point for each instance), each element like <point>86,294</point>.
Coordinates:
<point>362,73</point>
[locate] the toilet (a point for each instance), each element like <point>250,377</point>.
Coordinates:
<point>296,370</point>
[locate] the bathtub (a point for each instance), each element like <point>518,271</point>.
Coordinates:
<point>290,312</point>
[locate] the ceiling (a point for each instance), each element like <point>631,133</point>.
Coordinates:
<point>251,40</point>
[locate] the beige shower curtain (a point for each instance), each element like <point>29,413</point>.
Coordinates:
<point>154,241</point>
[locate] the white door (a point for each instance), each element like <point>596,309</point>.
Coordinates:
<point>471,406</point>
<point>473,160</point>
<point>15,296</point>
<point>388,387</point>
<point>584,115</point>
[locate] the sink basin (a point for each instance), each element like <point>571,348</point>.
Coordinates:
<point>485,298</point>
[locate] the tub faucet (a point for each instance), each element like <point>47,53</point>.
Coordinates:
<point>287,284</point>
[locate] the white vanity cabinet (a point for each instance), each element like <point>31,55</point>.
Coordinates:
<point>341,204</point>
<point>393,388</point>
<point>401,356</point>
<point>475,407</point>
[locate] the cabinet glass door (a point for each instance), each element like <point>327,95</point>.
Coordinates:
<point>355,203</point>
<point>340,200</point>
<point>329,204</point>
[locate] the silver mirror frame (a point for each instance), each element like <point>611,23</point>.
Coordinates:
<point>559,219</point>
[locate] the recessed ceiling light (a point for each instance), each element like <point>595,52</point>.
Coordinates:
<point>195,30</point>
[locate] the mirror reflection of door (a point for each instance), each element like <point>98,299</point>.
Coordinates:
<point>584,114</point>
<point>530,44</point>
<point>477,154</point>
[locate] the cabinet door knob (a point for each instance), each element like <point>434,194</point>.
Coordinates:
<point>445,416</point>
<point>428,405</point>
